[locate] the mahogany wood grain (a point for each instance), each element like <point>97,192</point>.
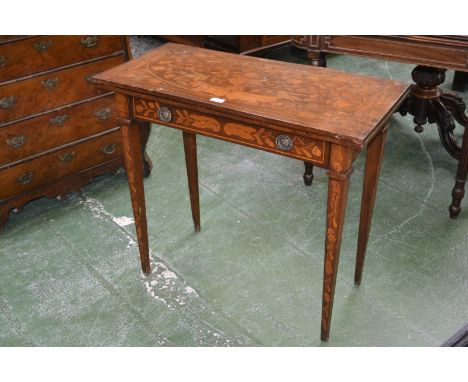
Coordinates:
<point>190,148</point>
<point>41,53</point>
<point>371,177</point>
<point>54,89</point>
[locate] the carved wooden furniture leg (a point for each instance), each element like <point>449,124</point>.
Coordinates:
<point>459,190</point>
<point>308,173</point>
<point>316,58</point>
<point>371,177</point>
<point>427,103</point>
<point>338,180</point>
<point>190,148</point>
<point>131,139</point>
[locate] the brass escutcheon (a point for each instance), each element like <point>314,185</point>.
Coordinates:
<point>89,41</point>
<point>51,83</point>
<point>164,114</point>
<point>58,120</point>
<point>16,142</point>
<point>109,149</point>
<point>7,102</point>
<point>42,46</point>
<point>103,114</point>
<point>25,178</point>
<point>68,157</point>
<point>284,142</point>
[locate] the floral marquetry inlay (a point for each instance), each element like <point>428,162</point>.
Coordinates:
<point>223,128</point>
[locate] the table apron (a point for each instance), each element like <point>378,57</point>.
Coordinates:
<point>267,139</point>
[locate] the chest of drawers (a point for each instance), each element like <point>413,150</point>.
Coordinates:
<point>57,130</point>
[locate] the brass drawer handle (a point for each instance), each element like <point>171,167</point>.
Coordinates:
<point>109,149</point>
<point>51,83</point>
<point>58,120</point>
<point>2,61</point>
<point>89,41</point>
<point>164,114</point>
<point>103,114</point>
<point>284,142</point>
<point>7,102</point>
<point>68,157</point>
<point>25,178</point>
<point>42,46</point>
<point>16,142</point>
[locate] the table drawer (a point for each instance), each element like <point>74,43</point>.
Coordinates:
<point>38,54</point>
<point>56,165</point>
<point>291,145</point>
<point>50,130</point>
<point>38,94</point>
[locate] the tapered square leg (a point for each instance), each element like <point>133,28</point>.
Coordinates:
<point>131,139</point>
<point>371,178</point>
<point>190,148</point>
<point>338,184</point>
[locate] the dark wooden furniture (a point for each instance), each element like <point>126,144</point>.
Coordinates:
<point>241,44</point>
<point>321,116</point>
<point>57,131</point>
<point>426,102</point>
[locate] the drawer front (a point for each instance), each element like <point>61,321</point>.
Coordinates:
<point>269,40</point>
<point>50,130</point>
<point>291,145</point>
<point>51,167</point>
<point>42,93</point>
<point>38,54</point>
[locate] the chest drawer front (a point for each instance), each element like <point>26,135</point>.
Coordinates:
<point>291,145</point>
<point>53,166</point>
<point>39,94</point>
<point>37,54</point>
<point>50,130</point>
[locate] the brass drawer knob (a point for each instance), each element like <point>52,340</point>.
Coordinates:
<point>26,178</point>
<point>59,120</point>
<point>89,41</point>
<point>51,83</point>
<point>68,157</point>
<point>109,149</point>
<point>164,114</point>
<point>42,46</point>
<point>284,142</point>
<point>16,142</point>
<point>103,114</point>
<point>2,61</point>
<point>7,102</point>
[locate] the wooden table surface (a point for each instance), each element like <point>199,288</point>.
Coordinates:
<point>321,116</point>
<point>334,104</point>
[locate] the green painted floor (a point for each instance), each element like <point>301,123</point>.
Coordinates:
<point>70,275</point>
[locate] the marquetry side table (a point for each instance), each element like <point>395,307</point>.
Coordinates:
<point>321,116</point>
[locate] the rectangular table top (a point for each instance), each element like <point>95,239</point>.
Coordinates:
<point>331,103</point>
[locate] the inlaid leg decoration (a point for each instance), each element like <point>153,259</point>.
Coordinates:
<point>131,139</point>
<point>190,148</point>
<point>371,177</point>
<point>338,183</point>
<point>308,173</point>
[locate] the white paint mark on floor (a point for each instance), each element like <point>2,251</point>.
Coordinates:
<point>123,221</point>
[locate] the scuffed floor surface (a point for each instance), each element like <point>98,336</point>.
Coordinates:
<point>70,275</point>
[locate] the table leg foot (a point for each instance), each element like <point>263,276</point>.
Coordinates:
<point>308,173</point>
<point>371,177</point>
<point>131,139</point>
<point>190,148</point>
